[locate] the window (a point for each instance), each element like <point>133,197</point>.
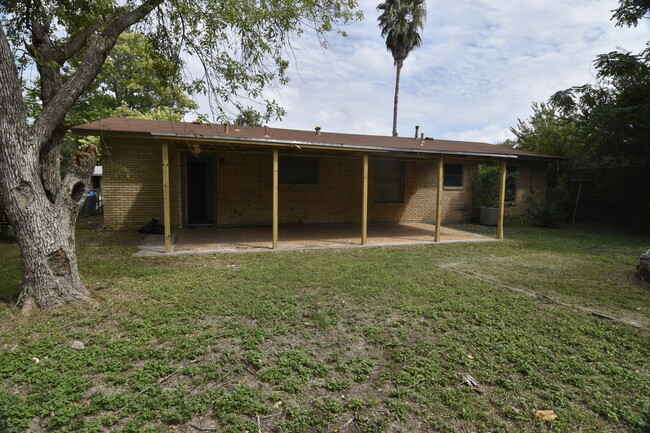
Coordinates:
<point>298,170</point>
<point>453,175</point>
<point>511,184</point>
<point>389,181</point>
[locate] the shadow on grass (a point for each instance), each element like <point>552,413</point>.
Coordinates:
<point>10,264</point>
<point>644,426</point>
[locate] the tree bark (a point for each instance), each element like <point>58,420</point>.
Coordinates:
<point>397,76</point>
<point>45,228</point>
<point>43,224</point>
<point>41,208</point>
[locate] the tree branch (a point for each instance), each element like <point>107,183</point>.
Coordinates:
<point>10,91</point>
<point>41,50</point>
<point>79,41</point>
<point>94,56</point>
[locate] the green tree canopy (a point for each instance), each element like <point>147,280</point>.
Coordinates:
<point>545,131</point>
<point>135,80</point>
<point>603,129</point>
<point>613,116</point>
<point>249,117</point>
<point>630,12</point>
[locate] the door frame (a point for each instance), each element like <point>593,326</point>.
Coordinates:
<point>211,193</point>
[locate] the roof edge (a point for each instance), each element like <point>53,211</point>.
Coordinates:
<point>324,145</point>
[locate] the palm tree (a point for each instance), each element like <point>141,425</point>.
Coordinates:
<point>400,22</point>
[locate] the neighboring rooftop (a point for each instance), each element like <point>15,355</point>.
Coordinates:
<point>246,135</point>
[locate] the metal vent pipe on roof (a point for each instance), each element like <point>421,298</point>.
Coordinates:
<point>225,128</point>
<point>417,128</point>
<point>317,130</point>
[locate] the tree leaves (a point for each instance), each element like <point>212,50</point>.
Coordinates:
<point>630,12</point>
<point>400,22</point>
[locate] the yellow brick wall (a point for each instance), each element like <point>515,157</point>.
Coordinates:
<point>133,185</point>
<point>243,192</point>
<point>457,200</point>
<point>419,195</point>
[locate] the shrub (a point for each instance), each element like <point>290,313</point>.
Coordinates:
<point>486,181</point>
<point>548,211</point>
<point>487,185</point>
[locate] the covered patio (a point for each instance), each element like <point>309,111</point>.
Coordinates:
<point>328,236</point>
<point>223,188</point>
<point>215,238</point>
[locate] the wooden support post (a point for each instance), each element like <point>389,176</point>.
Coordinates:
<point>364,203</point>
<point>439,199</point>
<point>275,198</point>
<point>502,199</point>
<point>166,200</point>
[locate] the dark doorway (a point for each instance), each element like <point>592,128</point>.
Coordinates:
<point>200,190</point>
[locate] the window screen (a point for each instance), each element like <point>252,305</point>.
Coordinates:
<point>298,170</point>
<point>389,181</point>
<point>453,175</point>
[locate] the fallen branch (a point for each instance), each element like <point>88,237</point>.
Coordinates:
<point>470,381</point>
<point>411,386</point>
<point>346,424</point>
<point>167,377</point>
<point>149,387</point>
<point>272,415</point>
<point>202,428</point>
<point>224,335</point>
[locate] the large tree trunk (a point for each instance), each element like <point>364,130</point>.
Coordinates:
<point>397,76</point>
<point>42,208</point>
<point>44,220</point>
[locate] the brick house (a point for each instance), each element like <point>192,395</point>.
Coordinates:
<point>223,175</point>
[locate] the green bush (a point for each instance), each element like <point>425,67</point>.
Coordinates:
<point>548,211</point>
<point>487,185</point>
<point>486,181</point>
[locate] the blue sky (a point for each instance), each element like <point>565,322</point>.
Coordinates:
<point>481,65</point>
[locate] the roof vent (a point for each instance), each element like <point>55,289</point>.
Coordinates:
<point>225,128</point>
<point>422,139</point>
<point>196,122</point>
<point>266,131</point>
<point>317,130</point>
<point>417,128</point>
<point>237,128</point>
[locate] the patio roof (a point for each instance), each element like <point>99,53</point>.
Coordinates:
<point>277,137</point>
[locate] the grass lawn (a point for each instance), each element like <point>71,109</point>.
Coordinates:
<point>355,340</point>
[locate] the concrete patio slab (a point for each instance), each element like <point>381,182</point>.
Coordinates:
<point>202,240</point>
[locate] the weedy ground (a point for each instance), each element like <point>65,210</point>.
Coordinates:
<point>355,340</point>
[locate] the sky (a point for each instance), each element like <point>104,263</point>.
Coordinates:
<point>480,67</point>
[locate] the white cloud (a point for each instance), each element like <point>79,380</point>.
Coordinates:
<point>490,134</point>
<point>481,65</point>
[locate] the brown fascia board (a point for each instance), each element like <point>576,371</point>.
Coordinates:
<point>263,136</point>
